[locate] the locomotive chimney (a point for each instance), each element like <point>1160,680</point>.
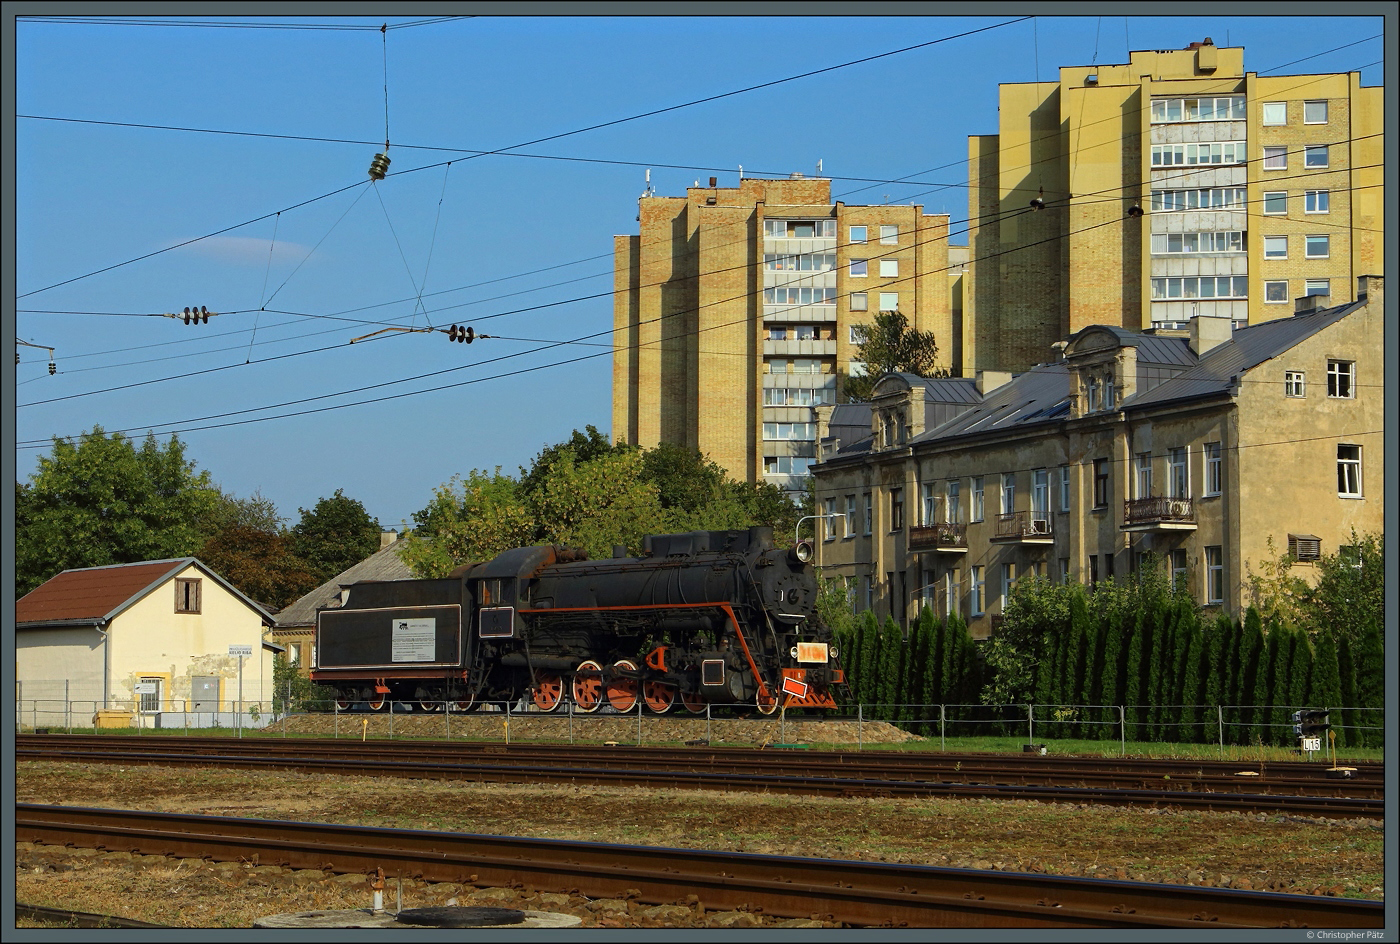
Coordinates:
<point>761,536</point>
<point>619,551</point>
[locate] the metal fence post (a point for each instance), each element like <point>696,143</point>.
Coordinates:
<point>1122,731</point>
<point>1220,727</point>
<point>860,719</point>
<point>942,735</point>
<point>640,702</point>
<point>1030,722</point>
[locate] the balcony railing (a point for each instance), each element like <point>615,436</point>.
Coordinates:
<point>950,537</point>
<point>1159,514</point>
<point>1024,527</point>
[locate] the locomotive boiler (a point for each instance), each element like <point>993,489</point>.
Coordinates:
<point>705,617</point>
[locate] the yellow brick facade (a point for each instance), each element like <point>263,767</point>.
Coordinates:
<point>733,309</point>
<point>1097,147</point>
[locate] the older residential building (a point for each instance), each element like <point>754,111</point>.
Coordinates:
<point>1176,185</point>
<point>1193,449</point>
<point>736,309</point>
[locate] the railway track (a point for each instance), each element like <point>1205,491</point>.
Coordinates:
<point>860,894</point>
<point>1290,789</point>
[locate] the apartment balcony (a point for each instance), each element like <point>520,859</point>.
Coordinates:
<point>1024,527</point>
<point>946,538</point>
<point>1159,514</point>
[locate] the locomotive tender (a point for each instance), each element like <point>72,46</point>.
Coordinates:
<point>703,617</point>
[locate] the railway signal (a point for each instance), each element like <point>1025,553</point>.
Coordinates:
<point>1309,725</point>
<point>53,368</point>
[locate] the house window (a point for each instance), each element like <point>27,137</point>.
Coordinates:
<point>1275,158</point>
<point>1214,469</point>
<point>1144,475</point>
<point>1276,291</point>
<point>869,514</point>
<point>1304,547</point>
<point>1100,483</point>
<point>953,588</point>
<point>1008,493</point>
<point>927,505</point>
<point>187,595</point>
<point>1064,570</point>
<point>868,592</point>
<point>1178,481</point>
<point>857,234</point>
<point>978,502</point>
<point>1064,488</point>
<point>889,268</point>
<point>830,519</point>
<point>889,301</point>
<point>1317,247</point>
<point>954,502</point>
<point>1315,156</point>
<point>859,302</point>
<point>850,516</point>
<point>1275,113</point>
<point>1294,383</point>
<point>1093,570</point>
<point>1108,396</point>
<point>1215,575</point>
<point>1275,201</point>
<point>1341,379</point>
<point>896,509</point>
<point>150,698</point>
<point>1008,578</point>
<point>1206,286</point>
<point>858,333</point>
<point>977,591</point>
<point>1349,471</point>
<point>1317,287</point>
<point>1176,566</point>
<point>858,268</point>
<point>1317,201</point>
<point>889,234</point>
<point>1275,247</point>
<point>1108,567</point>
<point>1315,113</point>
<point>1040,494</point>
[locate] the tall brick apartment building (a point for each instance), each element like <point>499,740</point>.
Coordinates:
<point>736,309</point>
<point>1173,186</point>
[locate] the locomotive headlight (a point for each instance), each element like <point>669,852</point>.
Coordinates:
<point>835,653</point>
<point>793,652</point>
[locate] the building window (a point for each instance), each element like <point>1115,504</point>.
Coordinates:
<point>1064,570</point>
<point>1294,383</point>
<point>850,516</point>
<point>1315,156</point>
<point>1214,468</point>
<point>1178,481</point>
<point>1275,247</point>
<point>1215,575</point>
<point>954,502</point>
<point>858,333</point>
<point>857,234</point>
<point>1275,158</point>
<point>896,509</point>
<point>1221,152</point>
<point>953,587</point>
<point>799,229</point>
<point>1108,567</point>
<point>150,696</point>
<point>830,519</point>
<point>1317,247</point>
<point>1317,201</point>
<point>1093,395</point>
<point>798,432</point>
<point>799,295</point>
<point>1317,287</point>
<point>1144,475</point>
<point>1100,483</point>
<point>869,514</point>
<point>1275,113</point>
<point>858,268</point>
<point>1223,241</point>
<point>859,302</point>
<point>1276,292</point>
<point>1008,579</point>
<point>787,465</point>
<point>187,595</point>
<point>1093,570</point>
<point>1349,471</point>
<point>978,499</point>
<point>1008,493</point>
<point>1341,379</point>
<point>868,592</point>
<point>1205,286</point>
<point>1176,566</point>
<point>1315,113</point>
<point>928,507</point>
<point>1040,494</point>
<point>977,591</point>
<point>1275,201</point>
<point>889,234</point>
<point>1203,198</point>
<point>889,301</point>
<point>889,268</point>
<point>1231,108</point>
<point>1064,488</point>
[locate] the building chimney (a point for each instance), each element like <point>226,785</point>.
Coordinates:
<point>989,380</point>
<point>1308,304</point>
<point>1208,331</point>
<point>387,537</point>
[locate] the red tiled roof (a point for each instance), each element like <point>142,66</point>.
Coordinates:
<point>92,593</point>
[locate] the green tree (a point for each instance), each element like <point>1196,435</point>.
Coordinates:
<point>886,345</point>
<point>103,500</point>
<point>1349,598</point>
<point>334,535</point>
<point>260,563</point>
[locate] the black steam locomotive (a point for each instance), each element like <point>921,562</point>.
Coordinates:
<point>705,617</point>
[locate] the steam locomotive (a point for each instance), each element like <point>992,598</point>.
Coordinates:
<point>705,617</point>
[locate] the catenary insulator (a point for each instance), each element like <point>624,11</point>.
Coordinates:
<point>379,166</point>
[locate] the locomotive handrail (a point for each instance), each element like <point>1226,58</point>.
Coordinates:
<point>724,605</point>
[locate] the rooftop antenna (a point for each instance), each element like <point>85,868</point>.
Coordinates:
<point>741,171</point>
<point>819,167</point>
<point>649,191</point>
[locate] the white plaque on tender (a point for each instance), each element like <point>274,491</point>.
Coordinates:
<point>415,640</point>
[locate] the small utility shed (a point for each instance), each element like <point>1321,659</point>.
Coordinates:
<point>95,634</point>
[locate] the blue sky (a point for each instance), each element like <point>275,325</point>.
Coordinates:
<point>285,238</point>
